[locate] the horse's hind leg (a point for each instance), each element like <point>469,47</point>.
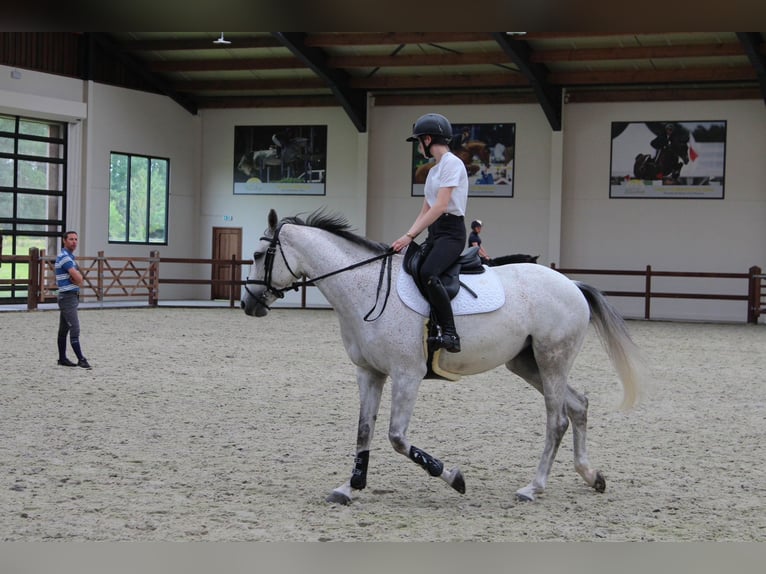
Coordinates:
<point>370,390</point>
<point>576,409</point>
<point>404,391</point>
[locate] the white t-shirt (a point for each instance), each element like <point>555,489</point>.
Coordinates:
<point>448,172</point>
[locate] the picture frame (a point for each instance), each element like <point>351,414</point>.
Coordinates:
<point>668,159</point>
<point>280,160</point>
<point>488,151</point>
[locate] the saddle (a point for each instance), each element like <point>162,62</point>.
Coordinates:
<point>464,302</point>
<point>468,263</point>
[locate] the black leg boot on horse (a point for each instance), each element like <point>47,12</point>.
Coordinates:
<point>446,335</point>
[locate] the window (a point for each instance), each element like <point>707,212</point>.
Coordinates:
<point>138,199</point>
<point>33,156</point>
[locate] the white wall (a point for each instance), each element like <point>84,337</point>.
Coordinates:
<point>345,186</point>
<point>39,95</point>
<point>130,121</point>
<point>699,235</point>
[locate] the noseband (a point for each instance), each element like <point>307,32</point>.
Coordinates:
<point>279,293</point>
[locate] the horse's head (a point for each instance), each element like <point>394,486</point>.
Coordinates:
<point>270,274</point>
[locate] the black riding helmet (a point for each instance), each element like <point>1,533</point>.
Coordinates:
<point>434,125</point>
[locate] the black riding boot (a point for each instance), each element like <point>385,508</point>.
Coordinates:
<point>448,339</point>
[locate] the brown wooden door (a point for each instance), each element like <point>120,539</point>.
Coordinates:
<point>227,242</point>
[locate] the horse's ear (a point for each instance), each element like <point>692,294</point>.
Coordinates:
<point>272,219</point>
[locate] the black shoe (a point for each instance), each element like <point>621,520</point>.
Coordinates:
<point>450,343</point>
<point>66,363</point>
<point>83,363</point>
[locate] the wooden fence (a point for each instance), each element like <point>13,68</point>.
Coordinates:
<point>120,277</point>
<point>754,294</point>
<point>128,277</point>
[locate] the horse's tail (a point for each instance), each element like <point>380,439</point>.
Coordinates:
<point>622,351</point>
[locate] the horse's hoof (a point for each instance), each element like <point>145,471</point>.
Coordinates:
<point>458,483</point>
<point>599,484</point>
<point>525,495</point>
<point>338,498</point>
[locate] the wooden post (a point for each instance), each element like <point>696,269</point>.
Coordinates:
<point>648,293</point>
<point>754,294</point>
<point>33,286</point>
<point>232,279</point>
<point>154,278</point>
<point>100,277</point>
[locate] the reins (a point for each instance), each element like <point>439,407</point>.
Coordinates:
<point>385,270</point>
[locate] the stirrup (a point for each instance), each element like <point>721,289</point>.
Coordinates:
<point>448,342</point>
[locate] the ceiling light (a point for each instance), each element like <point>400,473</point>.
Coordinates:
<point>221,40</point>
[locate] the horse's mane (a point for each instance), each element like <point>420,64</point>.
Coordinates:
<point>337,225</point>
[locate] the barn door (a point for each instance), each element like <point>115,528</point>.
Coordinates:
<point>227,242</point>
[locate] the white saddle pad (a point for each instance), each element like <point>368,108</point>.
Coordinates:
<point>487,286</point>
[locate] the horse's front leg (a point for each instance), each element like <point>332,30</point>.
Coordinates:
<point>370,390</point>
<point>404,392</point>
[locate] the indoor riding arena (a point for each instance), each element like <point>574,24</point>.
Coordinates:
<point>206,424</point>
<point>221,184</point>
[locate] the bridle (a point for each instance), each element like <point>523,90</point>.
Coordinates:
<point>268,265</point>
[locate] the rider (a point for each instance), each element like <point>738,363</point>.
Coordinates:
<point>474,240</point>
<point>442,213</point>
<point>672,141</point>
<point>281,140</point>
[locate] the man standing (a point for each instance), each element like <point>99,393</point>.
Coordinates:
<point>69,280</point>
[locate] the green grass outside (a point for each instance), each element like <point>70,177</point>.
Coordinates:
<point>23,244</point>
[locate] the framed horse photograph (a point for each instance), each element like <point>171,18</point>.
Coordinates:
<point>280,160</point>
<point>488,153</point>
<point>668,159</point>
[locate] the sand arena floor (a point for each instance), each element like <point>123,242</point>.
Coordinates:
<point>208,425</point>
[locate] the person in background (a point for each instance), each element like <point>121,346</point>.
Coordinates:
<point>443,214</point>
<point>69,279</point>
<point>474,240</point>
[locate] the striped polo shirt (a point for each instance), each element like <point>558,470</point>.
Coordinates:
<point>64,262</point>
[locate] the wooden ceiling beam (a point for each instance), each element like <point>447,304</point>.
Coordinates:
<point>685,75</point>
<point>139,68</point>
<point>170,45</point>
<point>466,99</point>
<point>214,65</point>
<point>353,101</point>
<point>639,53</point>
<point>477,58</point>
<point>548,93</point>
<point>753,44</point>
<point>350,62</point>
<point>461,81</point>
<point>440,81</point>
<point>268,101</point>
<point>652,94</point>
<point>308,83</point>
<point>394,38</point>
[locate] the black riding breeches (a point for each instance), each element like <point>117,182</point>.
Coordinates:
<point>445,241</point>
